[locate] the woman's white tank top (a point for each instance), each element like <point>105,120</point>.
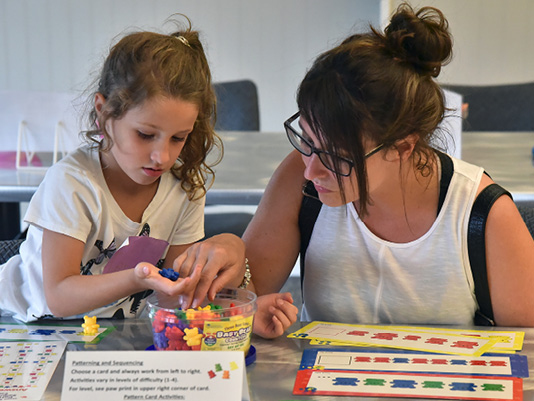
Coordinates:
<point>353,276</point>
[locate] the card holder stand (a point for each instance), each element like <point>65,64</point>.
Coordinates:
<point>26,157</point>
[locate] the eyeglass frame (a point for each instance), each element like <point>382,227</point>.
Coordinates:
<point>318,152</point>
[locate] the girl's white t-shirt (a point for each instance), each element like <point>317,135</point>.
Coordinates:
<point>74,200</point>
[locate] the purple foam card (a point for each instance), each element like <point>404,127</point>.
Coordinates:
<point>136,250</point>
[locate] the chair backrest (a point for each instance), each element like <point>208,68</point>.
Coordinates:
<point>226,222</point>
<point>9,248</point>
<point>498,107</point>
<point>528,216</point>
<point>237,106</point>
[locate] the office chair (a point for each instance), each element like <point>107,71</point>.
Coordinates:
<point>9,248</point>
<point>237,110</point>
<point>528,216</point>
<point>498,107</point>
<point>226,222</point>
<point>237,106</point>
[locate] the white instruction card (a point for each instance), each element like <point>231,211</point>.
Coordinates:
<point>154,375</point>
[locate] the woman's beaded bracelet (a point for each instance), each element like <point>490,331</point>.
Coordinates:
<point>246,277</point>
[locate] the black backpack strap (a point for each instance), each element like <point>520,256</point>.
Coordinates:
<point>476,244</point>
<point>309,210</point>
<point>447,171</point>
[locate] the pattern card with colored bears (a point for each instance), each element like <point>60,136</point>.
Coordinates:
<point>409,385</point>
<point>392,337</point>
<point>395,373</point>
<point>507,341</point>
<point>375,360</point>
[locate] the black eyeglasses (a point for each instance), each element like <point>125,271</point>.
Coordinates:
<point>296,137</point>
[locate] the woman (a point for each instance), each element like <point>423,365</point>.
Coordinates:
<point>390,242</point>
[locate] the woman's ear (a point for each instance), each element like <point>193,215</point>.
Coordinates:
<point>402,148</point>
<point>406,146</point>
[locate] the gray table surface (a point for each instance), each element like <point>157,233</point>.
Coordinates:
<point>507,157</point>
<point>251,157</point>
<point>270,378</point>
<point>249,160</point>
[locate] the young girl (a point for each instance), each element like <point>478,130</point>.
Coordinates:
<point>390,242</point>
<point>139,182</point>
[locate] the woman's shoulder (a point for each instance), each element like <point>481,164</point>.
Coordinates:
<point>290,173</point>
<point>283,194</point>
<point>466,168</point>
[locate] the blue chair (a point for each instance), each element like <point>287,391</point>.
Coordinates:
<point>237,106</point>
<point>527,213</point>
<point>498,107</point>
<point>237,110</point>
<point>9,248</point>
<point>226,222</point>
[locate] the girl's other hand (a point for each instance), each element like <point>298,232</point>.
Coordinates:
<point>221,260</point>
<point>150,278</point>
<point>275,314</point>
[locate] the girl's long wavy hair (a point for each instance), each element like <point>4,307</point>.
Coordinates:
<point>144,65</point>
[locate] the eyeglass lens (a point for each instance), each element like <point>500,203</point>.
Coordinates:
<point>298,140</point>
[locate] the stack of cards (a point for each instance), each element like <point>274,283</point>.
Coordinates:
<point>414,362</point>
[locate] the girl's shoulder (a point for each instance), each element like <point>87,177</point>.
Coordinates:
<point>85,156</point>
<point>82,161</point>
<point>78,171</point>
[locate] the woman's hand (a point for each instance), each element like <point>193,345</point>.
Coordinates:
<point>221,260</point>
<point>275,314</point>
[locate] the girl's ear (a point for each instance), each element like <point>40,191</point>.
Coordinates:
<point>100,101</point>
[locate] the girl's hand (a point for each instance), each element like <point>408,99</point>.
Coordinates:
<point>149,277</point>
<point>275,314</point>
<point>221,260</point>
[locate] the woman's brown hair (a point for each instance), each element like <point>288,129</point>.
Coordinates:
<point>379,88</point>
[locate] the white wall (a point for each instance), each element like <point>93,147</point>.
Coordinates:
<point>55,45</point>
<point>493,40</point>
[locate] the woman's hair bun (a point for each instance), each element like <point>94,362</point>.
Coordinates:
<point>420,38</point>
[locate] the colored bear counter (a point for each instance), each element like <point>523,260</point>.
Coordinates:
<point>89,326</point>
<point>222,325</point>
